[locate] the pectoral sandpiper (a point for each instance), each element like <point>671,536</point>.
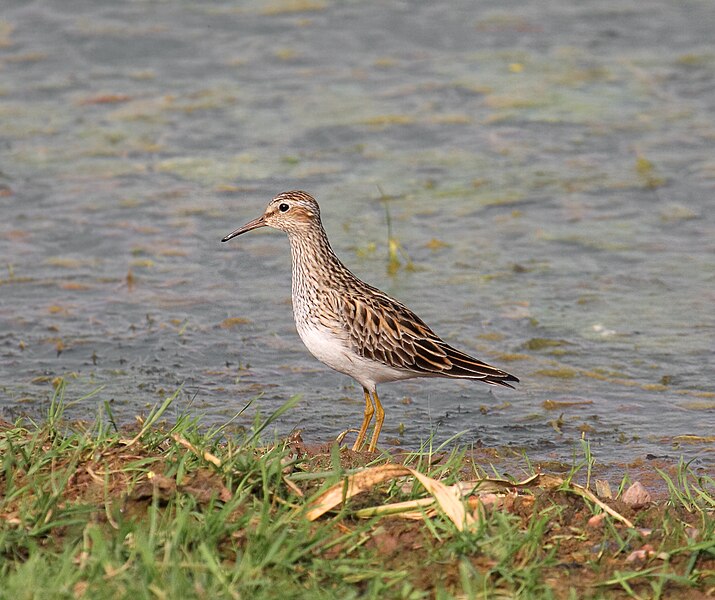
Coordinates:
<point>353,327</point>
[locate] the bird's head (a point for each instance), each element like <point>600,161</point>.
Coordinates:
<point>291,212</point>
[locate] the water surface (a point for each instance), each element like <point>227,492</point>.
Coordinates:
<point>547,168</point>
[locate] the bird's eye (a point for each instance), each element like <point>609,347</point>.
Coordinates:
<point>283,207</point>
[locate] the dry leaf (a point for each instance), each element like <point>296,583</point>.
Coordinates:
<point>448,497</point>
<point>353,485</point>
<point>636,496</point>
<point>603,489</point>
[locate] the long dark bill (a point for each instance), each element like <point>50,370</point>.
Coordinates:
<point>255,224</point>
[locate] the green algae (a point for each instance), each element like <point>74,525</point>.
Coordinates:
<point>542,343</point>
<point>560,373</point>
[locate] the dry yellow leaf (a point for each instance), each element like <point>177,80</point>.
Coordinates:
<point>448,497</point>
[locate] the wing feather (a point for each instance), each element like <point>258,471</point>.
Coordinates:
<point>382,329</point>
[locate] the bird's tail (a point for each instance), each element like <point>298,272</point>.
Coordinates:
<point>468,367</point>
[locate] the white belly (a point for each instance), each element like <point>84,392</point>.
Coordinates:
<point>335,352</point>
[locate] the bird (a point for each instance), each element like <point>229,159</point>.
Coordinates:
<point>353,327</point>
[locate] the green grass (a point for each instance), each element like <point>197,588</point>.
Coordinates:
<point>184,511</point>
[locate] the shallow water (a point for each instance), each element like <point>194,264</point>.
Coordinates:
<point>549,172</point>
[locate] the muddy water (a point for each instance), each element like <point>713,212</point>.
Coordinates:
<point>548,171</point>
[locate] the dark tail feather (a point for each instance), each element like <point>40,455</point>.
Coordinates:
<point>503,382</point>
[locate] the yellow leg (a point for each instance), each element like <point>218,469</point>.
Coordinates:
<point>379,418</point>
<point>367,417</point>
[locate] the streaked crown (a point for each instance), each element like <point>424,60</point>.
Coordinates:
<point>292,212</point>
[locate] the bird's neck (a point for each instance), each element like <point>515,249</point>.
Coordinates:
<point>314,262</point>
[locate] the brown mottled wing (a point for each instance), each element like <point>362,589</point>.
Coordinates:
<point>386,331</point>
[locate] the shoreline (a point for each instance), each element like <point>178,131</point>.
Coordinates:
<point>96,512</point>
